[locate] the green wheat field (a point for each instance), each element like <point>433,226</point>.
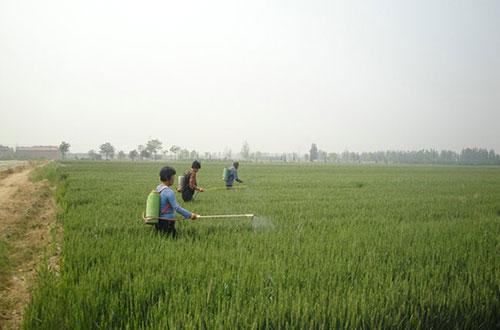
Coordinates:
<point>331,247</point>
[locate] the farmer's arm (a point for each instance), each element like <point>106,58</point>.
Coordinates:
<point>236,176</point>
<point>176,207</point>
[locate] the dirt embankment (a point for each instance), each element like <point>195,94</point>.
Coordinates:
<point>28,234</point>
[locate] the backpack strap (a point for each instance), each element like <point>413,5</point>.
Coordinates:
<point>167,205</point>
<point>187,177</point>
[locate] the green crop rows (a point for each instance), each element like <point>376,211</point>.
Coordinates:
<point>332,247</point>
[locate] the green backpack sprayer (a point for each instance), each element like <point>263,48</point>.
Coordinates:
<point>225,174</point>
<point>152,214</point>
<point>152,208</point>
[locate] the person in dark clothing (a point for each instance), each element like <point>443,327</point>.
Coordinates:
<point>190,185</point>
<point>233,175</point>
<point>168,203</point>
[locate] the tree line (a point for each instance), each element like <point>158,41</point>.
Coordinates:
<point>468,156</point>
<point>154,149</point>
<point>151,150</point>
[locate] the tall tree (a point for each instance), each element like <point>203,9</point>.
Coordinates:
<point>145,154</point>
<point>228,153</point>
<point>184,154</point>
<point>313,152</point>
<point>175,149</point>
<point>142,152</point>
<point>107,150</point>
<point>153,146</point>
<point>64,148</point>
<point>322,155</point>
<point>245,150</point>
<point>93,155</point>
<point>133,154</point>
<point>332,157</point>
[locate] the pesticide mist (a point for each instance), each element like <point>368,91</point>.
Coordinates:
<point>260,223</point>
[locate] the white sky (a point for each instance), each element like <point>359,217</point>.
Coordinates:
<point>205,75</point>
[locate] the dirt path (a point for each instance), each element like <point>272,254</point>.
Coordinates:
<point>27,235</point>
<point>6,164</point>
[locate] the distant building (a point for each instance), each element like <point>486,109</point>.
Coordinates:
<point>5,150</point>
<point>77,156</point>
<point>37,152</point>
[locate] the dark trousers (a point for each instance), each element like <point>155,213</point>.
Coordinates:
<point>166,227</point>
<point>187,194</point>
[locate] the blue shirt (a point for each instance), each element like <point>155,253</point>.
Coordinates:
<point>169,205</point>
<point>233,175</point>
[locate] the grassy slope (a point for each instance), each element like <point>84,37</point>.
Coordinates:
<point>333,247</point>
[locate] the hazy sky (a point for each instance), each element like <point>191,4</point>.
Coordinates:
<point>357,75</point>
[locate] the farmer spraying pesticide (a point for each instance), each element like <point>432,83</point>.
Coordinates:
<point>161,206</point>
<point>188,184</point>
<point>168,203</point>
<point>230,175</point>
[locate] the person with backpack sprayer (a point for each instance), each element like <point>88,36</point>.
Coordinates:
<point>189,185</point>
<point>168,203</point>
<point>231,175</point>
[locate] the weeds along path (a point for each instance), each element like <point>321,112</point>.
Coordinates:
<point>26,229</point>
